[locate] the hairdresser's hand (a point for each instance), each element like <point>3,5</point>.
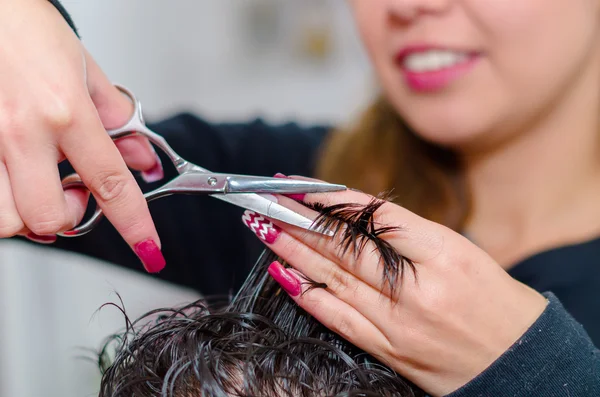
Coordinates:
<point>439,329</point>
<point>55,103</point>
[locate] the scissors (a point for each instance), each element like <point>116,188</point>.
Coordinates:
<point>241,190</point>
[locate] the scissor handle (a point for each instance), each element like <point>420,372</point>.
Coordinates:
<point>134,126</point>
<point>137,126</point>
<point>74,181</point>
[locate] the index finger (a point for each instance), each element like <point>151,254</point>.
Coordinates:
<point>95,157</point>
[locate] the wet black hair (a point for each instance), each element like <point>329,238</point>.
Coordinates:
<point>260,343</point>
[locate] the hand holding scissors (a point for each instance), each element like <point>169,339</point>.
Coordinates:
<point>241,190</point>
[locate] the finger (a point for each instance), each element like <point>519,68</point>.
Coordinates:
<point>411,235</point>
<point>380,266</point>
<point>363,296</point>
<point>333,313</point>
<point>114,110</point>
<point>10,220</point>
<point>76,200</point>
<point>36,186</point>
<point>135,153</point>
<point>367,266</point>
<point>102,169</point>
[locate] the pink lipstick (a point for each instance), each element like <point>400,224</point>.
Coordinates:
<point>427,68</point>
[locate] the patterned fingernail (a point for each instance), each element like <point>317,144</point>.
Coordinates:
<point>150,255</point>
<point>288,281</point>
<point>297,197</point>
<point>155,173</point>
<point>41,239</point>
<point>261,226</point>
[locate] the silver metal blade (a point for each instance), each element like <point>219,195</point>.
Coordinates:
<point>255,184</point>
<point>205,182</point>
<point>266,207</point>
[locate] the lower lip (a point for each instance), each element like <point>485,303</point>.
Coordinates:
<point>438,79</point>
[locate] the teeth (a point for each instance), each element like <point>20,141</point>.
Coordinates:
<point>433,60</point>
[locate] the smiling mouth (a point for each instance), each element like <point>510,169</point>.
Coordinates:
<point>426,68</point>
<point>433,60</point>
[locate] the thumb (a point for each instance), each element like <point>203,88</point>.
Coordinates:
<point>114,110</point>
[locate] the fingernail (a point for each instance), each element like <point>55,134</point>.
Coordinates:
<point>288,281</point>
<point>155,173</point>
<point>297,197</point>
<point>41,239</point>
<point>150,255</point>
<point>261,226</point>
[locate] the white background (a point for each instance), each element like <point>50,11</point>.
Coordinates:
<point>196,55</point>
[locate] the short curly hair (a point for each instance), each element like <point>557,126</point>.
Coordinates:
<point>260,343</point>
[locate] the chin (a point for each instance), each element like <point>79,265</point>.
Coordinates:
<point>449,132</point>
<point>450,139</point>
<point>456,124</point>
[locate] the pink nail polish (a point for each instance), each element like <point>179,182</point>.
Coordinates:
<point>150,255</point>
<point>155,173</point>
<point>288,281</point>
<point>41,239</point>
<point>261,226</point>
<point>297,197</point>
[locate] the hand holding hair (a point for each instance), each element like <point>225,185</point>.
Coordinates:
<point>416,295</point>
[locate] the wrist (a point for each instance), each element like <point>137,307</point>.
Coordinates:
<point>555,354</point>
<point>469,343</point>
<point>516,317</point>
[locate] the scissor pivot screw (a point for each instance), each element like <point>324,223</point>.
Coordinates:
<point>212,181</point>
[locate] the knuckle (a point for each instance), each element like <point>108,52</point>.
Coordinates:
<point>432,302</point>
<point>109,186</point>
<point>45,228</point>
<point>60,108</point>
<point>15,137</point>
<point>12,125</point>
<point>337,280</point>
<point>48,220</point>
<point>10,225</point>
<point>59,115</point>
<point>343,325</point>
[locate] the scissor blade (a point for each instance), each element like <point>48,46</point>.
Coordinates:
<point>266,207</point>
<point>207,182</point>
<point>258,184</point>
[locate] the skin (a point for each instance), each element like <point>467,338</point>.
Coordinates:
<point>532,97</point>
<point>56,103</point>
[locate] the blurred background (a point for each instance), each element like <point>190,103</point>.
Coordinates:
<point>222,59</point>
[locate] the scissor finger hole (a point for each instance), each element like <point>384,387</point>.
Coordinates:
<point>74,181</point>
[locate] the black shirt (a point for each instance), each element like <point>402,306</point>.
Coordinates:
<point>572,273</point>
<point>208,248</point>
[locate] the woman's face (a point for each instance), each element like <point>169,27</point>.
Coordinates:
<point>471,72</point>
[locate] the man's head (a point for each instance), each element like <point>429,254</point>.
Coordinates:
<point>260,344</point>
